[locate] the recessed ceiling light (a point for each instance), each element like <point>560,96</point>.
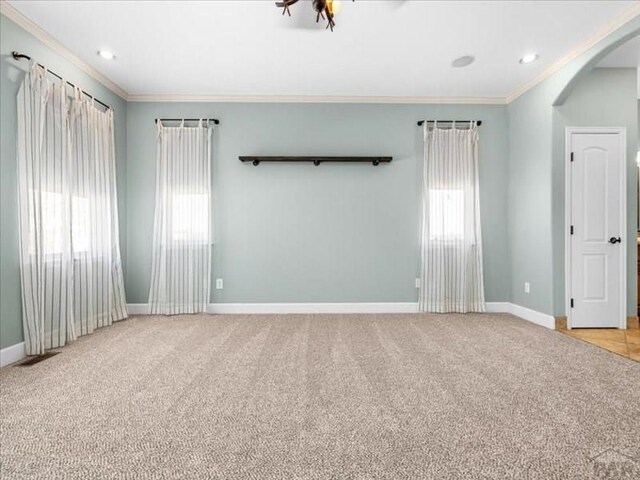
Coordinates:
<point>529,58</point>
<point>106,54</point>
<point>463,61</point>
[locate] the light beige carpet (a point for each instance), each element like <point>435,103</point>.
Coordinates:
<point>322,397</point>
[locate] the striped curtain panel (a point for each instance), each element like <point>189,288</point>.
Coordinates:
<point>98,293</point>
<point>66,192</point>
<point>181,268</point>
<point>44,213</point>
<point>451,270</point>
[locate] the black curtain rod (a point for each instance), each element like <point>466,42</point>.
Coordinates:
<point>19,56</point>
<point>421,122</point>
<point>214,120</point>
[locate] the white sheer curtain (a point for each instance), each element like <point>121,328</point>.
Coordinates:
<point>44,212</point>
<point>451,273</point>
<point>67,208</point>
<point>181,264</point>
<point>98,294</point>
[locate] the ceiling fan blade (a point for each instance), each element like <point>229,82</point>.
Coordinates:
<point>323,8</point>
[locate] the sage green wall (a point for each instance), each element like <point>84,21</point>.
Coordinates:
<point>533,183</point>
<point>300,233</point>
<point>334,233</point>
<point>605,97</point>
<point>13,37</point>
<point>602,97</point>
<point>529,199</point>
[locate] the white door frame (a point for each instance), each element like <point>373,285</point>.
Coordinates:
<point>622,132</point>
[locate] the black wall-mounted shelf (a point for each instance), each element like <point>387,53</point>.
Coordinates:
<point>318,160</point>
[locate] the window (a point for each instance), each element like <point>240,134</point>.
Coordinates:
<point>189,223</point>
<point>446,214</point>
<point>80,224</point>
<point>52,216</point>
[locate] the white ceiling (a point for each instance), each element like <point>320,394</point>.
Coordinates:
<point>379,48</point>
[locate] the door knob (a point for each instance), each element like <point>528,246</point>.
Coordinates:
<point>615,240</point>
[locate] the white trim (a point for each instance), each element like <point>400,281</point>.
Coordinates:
<point>316,99</point>
<point>13,14</point>
<point>272,308</point>
<point>12,354</point>
<point>532,316</point>
<point>138,309</point>
<point>498,307</point>
<point>283,308</point>
<point>625,17</point>
<point>311,308</point>
<point>567,225</point>
<point>622,131</point>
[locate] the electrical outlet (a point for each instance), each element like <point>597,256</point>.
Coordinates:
<point>219,284</point>
<point>418,283</point>
<point>527,287</point>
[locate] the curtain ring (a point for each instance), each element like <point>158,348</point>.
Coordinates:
<point>39,71</point>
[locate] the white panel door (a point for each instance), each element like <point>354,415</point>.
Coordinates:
<point>597,236</point>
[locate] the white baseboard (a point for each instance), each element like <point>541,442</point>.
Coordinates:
<point>274,308</point>
<point>498,307</point>
<point>349,307</point>
<point>231,308</point>
<point>533,316</point>
<point>12,354</point>
<point>393,307</point>
<point>138,308</point>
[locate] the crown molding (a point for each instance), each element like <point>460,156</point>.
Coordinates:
<point>13,14</point>
<point>625,17</point>
<point>317,99</point>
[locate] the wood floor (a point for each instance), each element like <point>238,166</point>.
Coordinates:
<point>622,342</point>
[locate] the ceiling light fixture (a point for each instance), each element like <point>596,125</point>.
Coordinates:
<point>463,61</point>
<point>529,58</point>
<point>106,54</point>
<point>325,9</point>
